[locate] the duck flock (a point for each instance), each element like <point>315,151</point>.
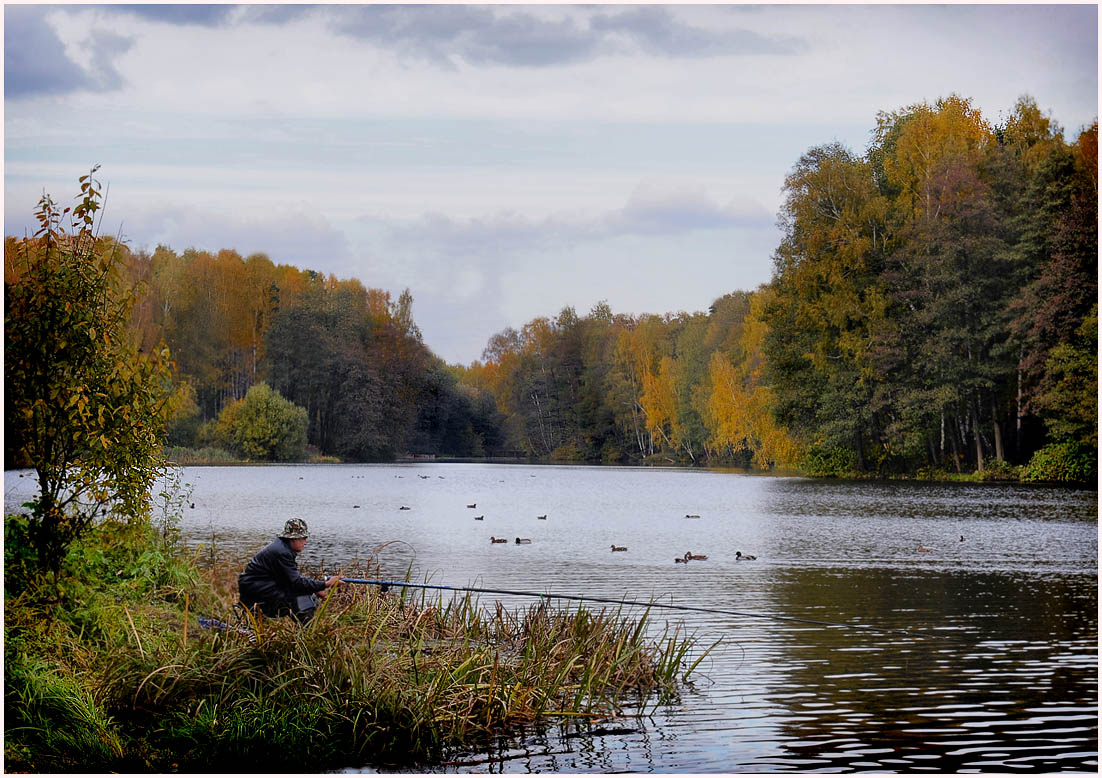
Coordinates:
<point>685,558</point>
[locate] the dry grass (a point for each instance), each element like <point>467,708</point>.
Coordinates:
<point>373,678</point>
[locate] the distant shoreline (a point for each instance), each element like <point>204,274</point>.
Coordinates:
<point>984,477</point>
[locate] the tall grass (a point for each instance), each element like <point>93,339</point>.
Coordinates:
<point>125,671</point>
<point>376,675</point>
<point>54,718</point>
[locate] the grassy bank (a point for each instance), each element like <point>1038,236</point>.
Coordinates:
<point>112,671</point>
<point>212,455</point>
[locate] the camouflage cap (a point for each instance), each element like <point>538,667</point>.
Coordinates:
<point>295,528</point>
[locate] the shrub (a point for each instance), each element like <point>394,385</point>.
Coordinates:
<point>85,408</point>
<point>612,454</point>
<point>999,470</point>
<point>832,462</point>
<point>568,452</point>
<point>1071,461</point>
<point>263,426</point>
<point>20,555</point>
<point>208,455</point>
<point>185,417</point>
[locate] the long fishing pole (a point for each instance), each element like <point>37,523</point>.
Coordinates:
<point>671,606</point>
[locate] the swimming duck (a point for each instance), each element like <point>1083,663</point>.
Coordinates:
<point>692,515</point>
<point>690,555</point>
<point>679,560</point>
<point>543,517</point>
<point>405,508</point>
<point>498,540</point>
<point>923,550</point>
<point>619,548</point>
<point>473,505</point>
<point>740,557</point>
<point>523,540</point>
<point>480,518</point>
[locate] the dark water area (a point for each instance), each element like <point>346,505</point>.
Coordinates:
<point>993,667</point>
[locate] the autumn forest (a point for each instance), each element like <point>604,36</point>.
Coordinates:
<point>932,310</point>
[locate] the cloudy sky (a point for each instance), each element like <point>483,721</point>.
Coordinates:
<point>504,161</point>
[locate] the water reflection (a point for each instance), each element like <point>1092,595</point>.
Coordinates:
<point>1007,683</point>
<point>904,704</point>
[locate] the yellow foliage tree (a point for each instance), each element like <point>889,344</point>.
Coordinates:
<point>739,402</point>
<point>920,138</point>
<point>636,361</point>
<point>659,402</point>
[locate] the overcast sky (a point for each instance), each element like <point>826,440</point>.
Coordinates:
<point>501,162</point>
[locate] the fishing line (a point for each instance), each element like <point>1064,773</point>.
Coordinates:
<point>669,606</point>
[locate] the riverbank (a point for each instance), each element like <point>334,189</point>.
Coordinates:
<point>1055,464</point>
<point>112,672</point>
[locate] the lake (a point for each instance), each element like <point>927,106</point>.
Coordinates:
<point>995,668</point>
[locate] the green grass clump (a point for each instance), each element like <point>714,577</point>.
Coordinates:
<point>51,719</point>
<point>119,672</point>
<point>206,455</point>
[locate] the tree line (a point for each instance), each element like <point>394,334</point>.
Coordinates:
<point>349,357</point>
<point>932,308</point>
<point>607,387</point>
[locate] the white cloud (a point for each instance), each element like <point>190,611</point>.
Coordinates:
<point>502,161</point>
<point>654,209</point>
<point>702,63</point>
<point>297,236</point>
<point>658,208</point>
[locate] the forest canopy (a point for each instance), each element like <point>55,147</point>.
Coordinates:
<point>932,309</point>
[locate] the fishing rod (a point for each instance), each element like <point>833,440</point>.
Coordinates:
<point>671,606</point>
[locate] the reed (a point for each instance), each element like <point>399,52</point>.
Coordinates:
<point>375,678</point>
<point>52,716</point>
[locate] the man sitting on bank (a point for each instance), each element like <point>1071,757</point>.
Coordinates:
<point>272,580</point>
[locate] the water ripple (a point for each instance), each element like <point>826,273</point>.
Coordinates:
<point>998,670</point>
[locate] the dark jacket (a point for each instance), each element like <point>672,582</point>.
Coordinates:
<point>272,578</point>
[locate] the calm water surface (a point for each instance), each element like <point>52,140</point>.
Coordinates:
<point>1008,683</point>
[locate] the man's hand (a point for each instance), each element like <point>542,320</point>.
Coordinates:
<point>333,580</point>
